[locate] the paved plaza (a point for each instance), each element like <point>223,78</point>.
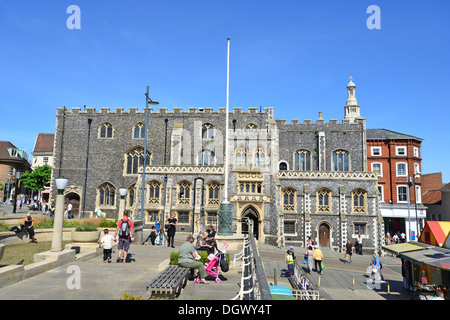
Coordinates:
<point>109,281</point>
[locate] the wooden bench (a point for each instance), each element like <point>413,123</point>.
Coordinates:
<point>169,283</point>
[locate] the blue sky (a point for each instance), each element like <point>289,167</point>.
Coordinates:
<point>295,56</point>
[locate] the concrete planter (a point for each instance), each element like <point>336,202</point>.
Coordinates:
<point>2,249</point>
<point>85,236</point>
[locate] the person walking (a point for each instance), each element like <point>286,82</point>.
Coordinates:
<point>348,251</point>
<point>289,259</point>
<point>360,245</point>
<point>187,259</point>
<point>69,210</point>
<point>125,229</point>
<point>318,257</point>
<point>376,267</point>
<point>106,243</point>
<point>172,228</point>
<point>310,258</point>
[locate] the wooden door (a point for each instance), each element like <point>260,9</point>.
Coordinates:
<point>324,235</point>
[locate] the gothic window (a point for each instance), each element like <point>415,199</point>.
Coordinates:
<point>105,131</point>
<point>154,188</point>
<point>206,158</point>
<point>289,201</point>
<point>341,160</point>
<point>130,196</point>
<point>135,159</point>
<point>359,201</point>
<point>139,131</point>
<point>302,160</point>
<point>207,131</point>
<point>184,192</point>
<point>241,157</point>
<point>106,195</point>
<point>213,193</point>
<point>250,187</point>
<point>251,127</point>
<point>260,157</point>
<point>324,200</point>
<point>282,166</point>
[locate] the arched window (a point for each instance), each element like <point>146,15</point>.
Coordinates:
<point>154,188</point>
<point>251,127</point>
<point>341,160</point>
<point>260,157</point>
<point>289,199</point>
<point>324,200</point>
<point>282,166</point>
<point>135,159</point>
<point>359,201</point>
<point>105,131</point>
<point>302,160</point>
<point>241,157</point>
<point>184,192</point>
<point>213,193</point>
<point>139,131</point>
<point>130,196</point>
<point>206,158</point>
<point>106,195</point>
<point>207,131</point>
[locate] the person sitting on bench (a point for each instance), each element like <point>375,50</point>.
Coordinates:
<point>202,244</point>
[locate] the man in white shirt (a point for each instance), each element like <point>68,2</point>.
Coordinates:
<point>69,210</point>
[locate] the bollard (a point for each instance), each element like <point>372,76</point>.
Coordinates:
<point>389,288</point>
<point>318,282</point>
<point>275,281</point>
<point>353,287</point>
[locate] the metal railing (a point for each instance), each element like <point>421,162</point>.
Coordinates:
<point>253,284</point>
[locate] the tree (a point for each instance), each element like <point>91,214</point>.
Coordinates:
<point>38,178</point>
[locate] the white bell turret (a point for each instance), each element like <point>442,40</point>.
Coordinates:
<point>352,107</point>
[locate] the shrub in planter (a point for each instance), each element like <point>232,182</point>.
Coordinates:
<point>86,227</point>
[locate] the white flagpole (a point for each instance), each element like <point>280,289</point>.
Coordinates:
<point>226,124</point>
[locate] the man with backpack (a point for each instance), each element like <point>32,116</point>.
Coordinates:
<point>126,235</point>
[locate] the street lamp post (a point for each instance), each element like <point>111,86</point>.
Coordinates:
<point>16,189</point>
<point>122,193</point>
<point>409,212</point>
<point>415,203</point>
<point>61,184</point>
<point>225,213</point>
<point>147,102</point>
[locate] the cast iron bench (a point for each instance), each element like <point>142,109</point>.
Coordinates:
<point>169,283</point>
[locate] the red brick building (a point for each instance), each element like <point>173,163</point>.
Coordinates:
<point>397,159</point>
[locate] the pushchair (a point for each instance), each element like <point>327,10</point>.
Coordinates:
<point>216,262</point>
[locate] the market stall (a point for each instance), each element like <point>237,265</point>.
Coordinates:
<point>426,271</point>
<point>396,249</point>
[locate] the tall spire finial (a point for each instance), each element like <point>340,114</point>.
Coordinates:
<point>352,107</point>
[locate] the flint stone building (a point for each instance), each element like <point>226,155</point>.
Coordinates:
<point>295,180</point>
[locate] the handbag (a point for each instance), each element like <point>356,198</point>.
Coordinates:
<point>322,265</point>
<point>304,260</point>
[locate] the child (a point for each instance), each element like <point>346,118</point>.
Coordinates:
<point>106,241</point>
<point>290,262</point>
<point>152,236</point>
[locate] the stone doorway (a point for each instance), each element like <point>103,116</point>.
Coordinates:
<point>251,213</point>
<point>74,198</point>
<point>324,235</point>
